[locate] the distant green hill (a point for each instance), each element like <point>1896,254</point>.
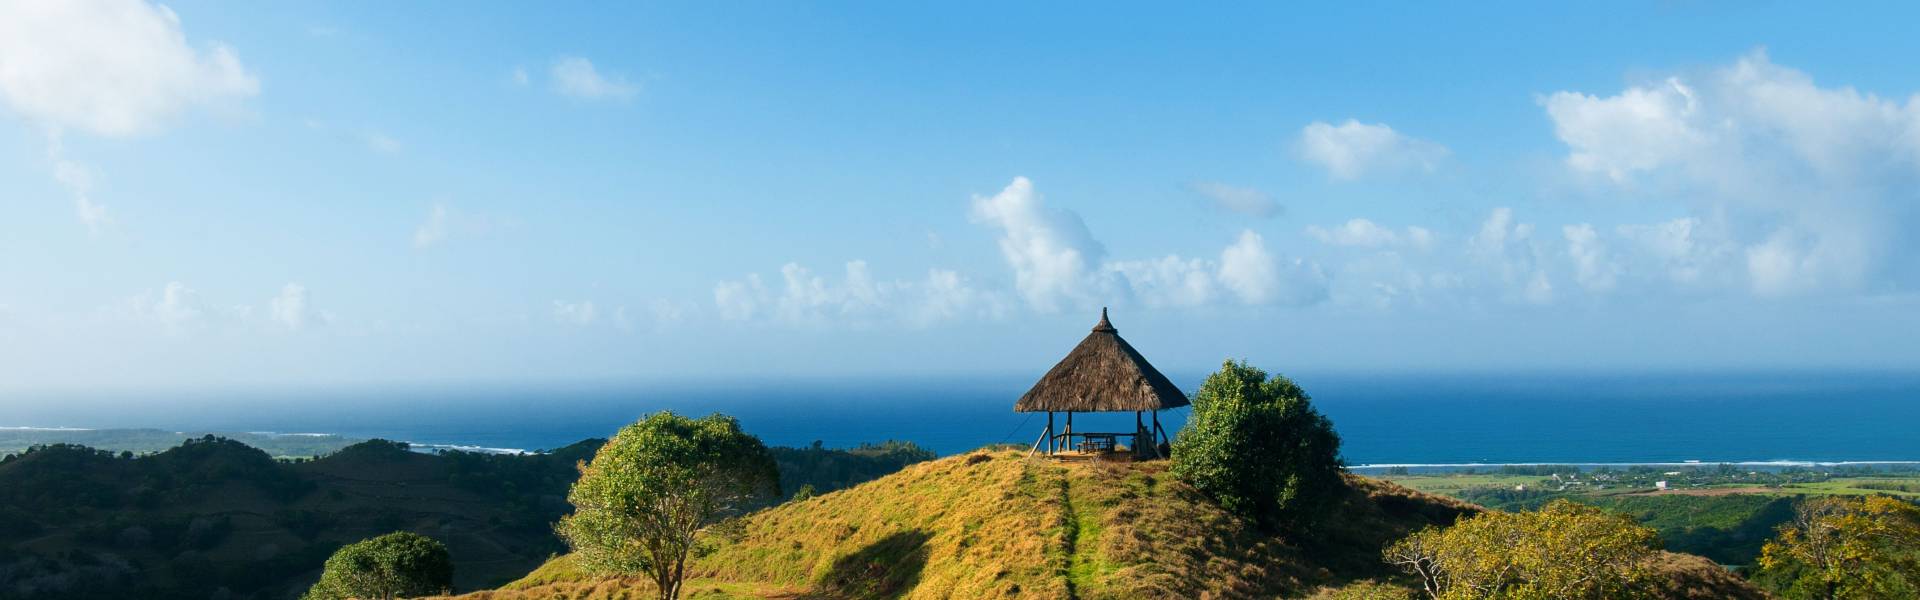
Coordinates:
<point>14,440</point>
<point>998,525</point>
<point>214,517</point>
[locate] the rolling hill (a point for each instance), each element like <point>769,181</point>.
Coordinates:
<point>998,525</point>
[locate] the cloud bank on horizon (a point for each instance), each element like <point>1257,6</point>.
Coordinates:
<point>1743,187</point>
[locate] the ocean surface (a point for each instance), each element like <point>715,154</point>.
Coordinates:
<point>1403,419</point>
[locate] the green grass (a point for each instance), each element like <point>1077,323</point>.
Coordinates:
<point>1001,525</point>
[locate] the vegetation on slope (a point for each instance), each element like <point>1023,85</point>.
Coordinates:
<point>219,517</point>
<point>998,525</point>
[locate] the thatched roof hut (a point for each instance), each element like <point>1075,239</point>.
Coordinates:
<point>1102,374</point>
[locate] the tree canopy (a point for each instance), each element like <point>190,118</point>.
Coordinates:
<point>1846,547</point>
<point>1257,446</point>
<point>1565,550</point>
<point>395,565</point>
<point>643,502</point>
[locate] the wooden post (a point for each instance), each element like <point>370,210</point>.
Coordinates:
<point>1138,430</point>
<point>1159,434</point>
<point>1049,433</point>
<point>1069,432</point>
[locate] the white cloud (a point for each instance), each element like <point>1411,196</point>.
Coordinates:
<point>1256,276</point>
<point>1243,200</point>
<point>1814,184</point>
<point>856,298</point>
<point>1509,249</point>
<point>1593,269</point>
<point>290,309</point>
<point>1050,250</point>
<point>1168,281</point>
<point>1057,263</point>
<point>109,67</point>
<point>1682,250</point>
<point>738,300</point>
<point>178,309</point>
<point>444,222</point>
<point>1247,269</point>
<point>580,313</point>
<point>1353,149</point>
<point>519,76</point>
<point>576,77</point>
<point>78,180</point>
<point>1362,233</point>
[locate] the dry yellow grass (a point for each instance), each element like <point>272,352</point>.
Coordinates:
<point>998,525</point>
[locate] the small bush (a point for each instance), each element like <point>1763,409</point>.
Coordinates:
<point>390,566</point>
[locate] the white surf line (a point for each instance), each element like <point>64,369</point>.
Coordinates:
<point>1695,463</point>
<point>464,448</point>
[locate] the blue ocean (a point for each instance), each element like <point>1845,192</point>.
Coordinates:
<point>1382,419</point>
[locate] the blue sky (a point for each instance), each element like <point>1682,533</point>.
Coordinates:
<point>202,195</point>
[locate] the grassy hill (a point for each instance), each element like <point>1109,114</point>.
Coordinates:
<point>218,518</point>
<point>997,525</point>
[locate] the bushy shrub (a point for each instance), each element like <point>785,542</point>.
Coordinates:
<point>1563,551</point>
<point>1839,547</point>
<point>1257,446</point>
<point>395,565</point>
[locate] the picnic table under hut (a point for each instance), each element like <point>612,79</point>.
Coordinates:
<point>1103,374</point>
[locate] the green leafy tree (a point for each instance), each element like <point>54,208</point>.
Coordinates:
<point>641,505</point>
<point>1257,446</point>
<point>395,565</point>
<point>1844,548</point>
<point>1563,551</point>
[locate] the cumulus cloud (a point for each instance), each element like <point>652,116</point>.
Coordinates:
<point>1813,184</point>
<point>177,310</point>
<point>804,298</point>
<point>576,77</point>
<point>1050,250</point>
<point>291,311</point>
<point>106,67</point>
<point>580,313</point>
<point>1682,251</point>
<point>1508,247</point>
<point>1593,268</point>
<point>1169,281</point>
<point>1236,199</point>
<point>1364,233</point>
<point>1353,149</point>
<point>110,67</point>
<point>1058,264</point>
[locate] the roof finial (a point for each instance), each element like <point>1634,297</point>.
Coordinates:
<point>1104,325</point>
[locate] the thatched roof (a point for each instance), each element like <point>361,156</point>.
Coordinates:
<point>1102,374</point>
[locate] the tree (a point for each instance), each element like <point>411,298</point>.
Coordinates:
<point>1257,446</point>
<point>1840,547</point>
<point>1564,550</point>
<point>394,565</point>
<point>643,502</point>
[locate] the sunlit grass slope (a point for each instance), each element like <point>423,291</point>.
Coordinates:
<point>1000,525</point>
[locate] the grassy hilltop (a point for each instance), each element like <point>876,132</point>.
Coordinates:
<point>997,525</point>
